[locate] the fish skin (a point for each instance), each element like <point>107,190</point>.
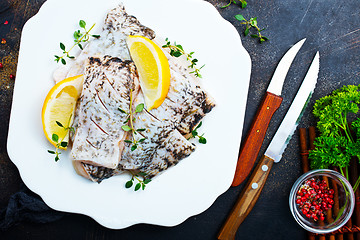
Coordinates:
<point>190,122</point>
<point>99,140</point>
<point>118,20</point>
<point>94,173</point>
<point>169,152</point>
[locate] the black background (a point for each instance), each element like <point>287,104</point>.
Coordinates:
<point>330,26</point>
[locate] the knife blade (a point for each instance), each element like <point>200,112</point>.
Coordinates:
<point>270,103</point>
<point>273,153</point>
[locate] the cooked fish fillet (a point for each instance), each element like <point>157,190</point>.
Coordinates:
<point>185,90</point>
<point>99,139</point>
<point>112,42</point>
<point>163,147</point>
<point>186,104</point>
<point>155,130</point>
<point>159,131</point>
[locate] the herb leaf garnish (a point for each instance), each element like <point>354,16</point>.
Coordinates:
<point>176,50</point>
<point>80,37</point>
<point>129,123</point>
<point>195,134</point>
<point>60,143</point>
<point>242,2</point>
<point>252,23</point>
<point>141,181</point>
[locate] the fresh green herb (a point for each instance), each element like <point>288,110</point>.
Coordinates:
<point>242,2</point>
<point>195,134</point>
<point>60,143</point>
<point>129,124</point>
<point>339,138</point>
<point>80,37</point>
<point>141,181</point>
<point>176,50</point>
<point>252,23</point>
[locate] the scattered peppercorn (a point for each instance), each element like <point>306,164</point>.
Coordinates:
<point>6,22</point>
<point>1,65</point>
<point>314,198</point>
<point>12,76</point>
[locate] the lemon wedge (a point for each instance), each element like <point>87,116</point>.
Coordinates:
<point>59,107</point>
<point>153,68</point>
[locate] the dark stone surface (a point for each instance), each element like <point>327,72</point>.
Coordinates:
<point>331,27</point>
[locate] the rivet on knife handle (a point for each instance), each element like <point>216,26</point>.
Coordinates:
<point>247,199</point>
<point>255,137</point>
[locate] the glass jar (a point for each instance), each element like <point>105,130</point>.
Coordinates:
<point>334,218</point>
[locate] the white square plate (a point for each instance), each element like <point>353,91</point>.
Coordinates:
<point>182,191</point>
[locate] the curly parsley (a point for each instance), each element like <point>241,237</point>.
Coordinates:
<point>339,138</point>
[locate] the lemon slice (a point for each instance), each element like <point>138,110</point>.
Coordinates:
<point>59,106</point>
<point>153,68</point>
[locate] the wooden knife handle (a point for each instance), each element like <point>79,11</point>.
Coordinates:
<point>255,137</point>
<point>247,199</point>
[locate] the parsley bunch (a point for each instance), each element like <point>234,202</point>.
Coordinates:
<point>339,138</point>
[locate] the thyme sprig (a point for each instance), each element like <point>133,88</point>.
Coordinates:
<point>176,50</point>
<point>129,123</point>
<point>141,183</point>
<point>242,2</point>
<point>60,143</point>
<point>252,23</point>
<point>80,37</point>
<point>195,134</point>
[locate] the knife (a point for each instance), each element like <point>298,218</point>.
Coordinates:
<point>270,103</point>
<point>273,153</point>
